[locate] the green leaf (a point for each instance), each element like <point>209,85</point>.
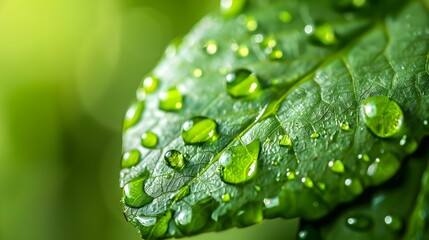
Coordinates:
<point>289,89</point>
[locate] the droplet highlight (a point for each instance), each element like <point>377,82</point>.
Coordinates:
<point>174,159</point>
<point>324,34</point>
<point>393,223</point>
<point>242,83</point>
<point>211,47</point>
<point>239,163</point>
<point>199,130</point>
<point>359,223</point>
<point>171,100</point>
<point>382,116</point>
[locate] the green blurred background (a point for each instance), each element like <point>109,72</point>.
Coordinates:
<point>68,70</point>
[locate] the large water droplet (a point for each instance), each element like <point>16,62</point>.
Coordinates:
<point>171,100</point>
<point>133,114</point>
<point>336,166</point>
<point>174,159</point>
<point>134,194</point>
<point>149,139</point>
<point>250,214</point>
<point>285,140</point>
<point>359,223</point>
<point>394,223</point>
<point>211,47</point>
<point>324,34</point>
<point>199,130</point>
<point>382,116</point>
<point>130,158</point>
<point>192,220</point>
<point>230,8</point>
<point>239,163</point>
<point>242,83</point>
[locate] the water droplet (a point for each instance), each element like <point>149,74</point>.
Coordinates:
<point>345,126</point>
<point>150,84</point>
<point>383,168</point>
<point>322,186</point>
<point>354,186</point>
<point>230,8</point>
<point>394,223</point>
<point>199,130</point>
<point>159,230</point>
<point>308,29</point>
<point>275,54</point>
<point>268,42</point>
<point>211,47</point>
<point>425,122</point>
<point>197,73</point>
<point>307,182</point>
<point>323,34</point>
<point>251,24</point>
<point>347,4</point>
<point>149,139</point>
<point>364,157</point>
<point>315,135</point>
<point>258,188</point>
<point>130,158</point>
<point>250,214</point>
<point>193,220</point>
<point>290,175</point>
<point>285,140</point>
<point>174,159</point>
<point>171,100</point>
<point>134,194</point>
<point>382,116</point>
<point>226,197</point>
<point>183,192</point>
<point>336,166</point>
<point>242,51</point>
<point>359,223</point>
<point>133,114</point>
<point>242,83</point>
<point>409,145</point>
<point>285,16</point>
<point>239,163</point>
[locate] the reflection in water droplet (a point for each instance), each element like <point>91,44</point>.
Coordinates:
<point>285,140</point>
<point>382,116</point>
<point>230,8</point>
<point>174,159</point>
<point>425,122</point>
<point>336,166</point>
<point>199,130</point>
<point>239,163</point>
<point>134,194</point>
<point>307,182</point>
<point>242,83</point>
<point>394,223</point>
<point>171,100</point>
<point>211,47</point>
<point>359,223</point>
<point>133,114</point>
<point>130,158</point>
<point>149,139</point>
<point>285,16</point>
<point>345,126</point>
<point>226,197</point>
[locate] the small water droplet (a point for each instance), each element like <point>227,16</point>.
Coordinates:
<point>345,126</point>
<point>315,135</point>
<point>382,116</point>
<point>174,159</point>
<point>149,139</point>
<point>258,188</point>
<point>198,130</point>
<point>364,157</point>
<point>226,197</point>
<point>336,166</point>
<point>134,194</point>
<point>285,140</point>
<point>242,51</point>
<point>251,24</point>
<point>285,16</point>
<point>130,158</point>
<point>197,72</point>
<point>354,186</point>
<point>239,163</point>
<point>307,182</point>
<point>383,168</point>
<point>322,34</point>
<point>171,100</point>
<point>290,175</point>
<point>133,114</point>
<point>150,84</point>
<point>211,47</point>
<point>359,223</point>
<point>425,122</point>
<point>394,223</point>
<point>230,8</point>
<point>275,54</point>
<point>242,83</point>
<point>322,186</point>
<point>268,43</point>
<point>250,214</point>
